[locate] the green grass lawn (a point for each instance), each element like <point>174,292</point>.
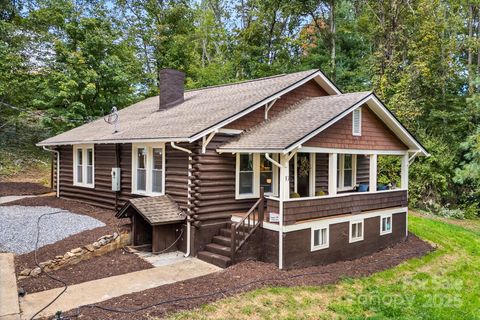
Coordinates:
<point>445,284</point>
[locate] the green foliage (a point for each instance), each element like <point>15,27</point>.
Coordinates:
<point>64,62</point>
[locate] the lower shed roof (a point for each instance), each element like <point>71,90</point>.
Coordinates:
<point>155,210</point>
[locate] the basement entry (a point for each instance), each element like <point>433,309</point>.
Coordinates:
<point>156,223</point>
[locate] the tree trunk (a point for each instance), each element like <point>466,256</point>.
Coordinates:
<point>333,35</point>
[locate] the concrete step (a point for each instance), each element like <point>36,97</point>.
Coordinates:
<point>221,240</point>
<point>218,249</point>
<point>213,258</point>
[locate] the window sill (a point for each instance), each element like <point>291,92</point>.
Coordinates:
<point>83,185</point>
<point>382,233</point>
<point>317,248</point>
<point>147,194</point>
<point>356,240</point>
<point>247,196</point>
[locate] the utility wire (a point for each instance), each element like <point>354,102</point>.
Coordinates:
<point>223,292</point>
<point>65,286</point>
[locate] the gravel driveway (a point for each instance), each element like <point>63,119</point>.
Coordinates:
<point>18,227</point>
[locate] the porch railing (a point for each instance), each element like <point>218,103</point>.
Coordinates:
<point>243,229</point>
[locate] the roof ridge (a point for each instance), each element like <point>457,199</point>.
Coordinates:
<point>250,80</point>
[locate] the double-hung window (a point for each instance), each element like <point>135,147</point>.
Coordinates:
<point>346,171</point>
<point>385,224</point>
<point>254,171</point>
<point>356,231</point>
<point>148,173</point>
<point>83,166</point>
<point>319,238</point>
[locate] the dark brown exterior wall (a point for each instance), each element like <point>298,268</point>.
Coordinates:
<point>297,211</point>
<point>297,244</point>
<point>309,89</point>
<point>176,166</point>
<point>375,135</point>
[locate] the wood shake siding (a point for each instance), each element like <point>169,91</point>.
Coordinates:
<point>375,135</point>
<point>300,210</point>
<point>309,89</point>
<point>297,244</point>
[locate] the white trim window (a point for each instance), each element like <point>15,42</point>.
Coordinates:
<point>320,238</point>
<point>346,171</point>
<point>356,231</point>
<point>254,171</point>
<point>84,166</point>
<point>357,122</point>
<point>385,224</point>
<point>148,169</point>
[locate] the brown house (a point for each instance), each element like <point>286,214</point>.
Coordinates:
<point>281,169</point>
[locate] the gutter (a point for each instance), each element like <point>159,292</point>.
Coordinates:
<point>58,168</point>
<point>189,225</point>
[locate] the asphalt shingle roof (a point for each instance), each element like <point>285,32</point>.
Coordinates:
<point>156,210</point>
<point>202,109</point>
<point>288,127</point>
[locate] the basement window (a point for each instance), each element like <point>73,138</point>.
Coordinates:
<point>319,238</point>
<point>148,174</point>
<point>356,231</point>
<point>83,166</point>
<point>357,122</point>
<point>385,224</point>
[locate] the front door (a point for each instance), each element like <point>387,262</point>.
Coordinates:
<point>303,174</point>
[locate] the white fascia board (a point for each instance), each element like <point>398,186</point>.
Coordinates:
<point>350,151</point>
<point>249,150</point>
<point>382,112</point>
<point>334,220</point>
<point>386,116</point>
<point>328,124</point>
<point>153,140</point>
<point>319,77</point>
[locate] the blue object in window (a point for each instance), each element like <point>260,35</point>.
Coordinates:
<point>382,187</point>
<point>362,187</point>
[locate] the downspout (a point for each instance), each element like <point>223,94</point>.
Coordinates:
<point>189,241</point>
<point>58,168</point>
<point>280,208</point>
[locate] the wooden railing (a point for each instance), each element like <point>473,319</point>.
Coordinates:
<point>243,229</point>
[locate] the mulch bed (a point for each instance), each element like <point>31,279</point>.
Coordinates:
<point>22,188</point>
<point>247,276</point>
<point>49,251</point>
<point>111,264</point>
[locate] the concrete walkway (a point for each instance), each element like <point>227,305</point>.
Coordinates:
<point>107,288</point>
<point>9,309</point>
<point>6,199</point>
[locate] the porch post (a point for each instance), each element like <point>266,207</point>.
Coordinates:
<point>373,173</point>
<point>332,174</point>
<point>404,179</point>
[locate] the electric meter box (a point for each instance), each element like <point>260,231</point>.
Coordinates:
<point>115,179</point>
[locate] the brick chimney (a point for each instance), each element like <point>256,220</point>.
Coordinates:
<point>171,88</point>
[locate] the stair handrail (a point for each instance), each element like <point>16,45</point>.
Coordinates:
<point>243,226</point>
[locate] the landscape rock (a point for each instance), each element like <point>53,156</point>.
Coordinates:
<point>89,247</point>
<point>35,272</point>
<point>76,250</point>
<point>25,272</point>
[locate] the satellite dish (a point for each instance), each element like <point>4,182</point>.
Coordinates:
<point>112,118</point>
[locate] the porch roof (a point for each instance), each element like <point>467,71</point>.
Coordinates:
<point>156,210</point>
<point>309,117</point>
<point>306,116</point>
